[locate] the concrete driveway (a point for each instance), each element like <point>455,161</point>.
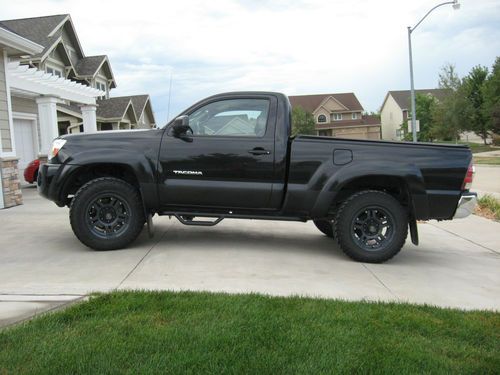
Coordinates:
<point>487,180</point>
<point>43,266</point>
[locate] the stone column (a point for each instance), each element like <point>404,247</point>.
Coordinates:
<point>89,118</point>
<point>11,187</point>
<point>47,115</point>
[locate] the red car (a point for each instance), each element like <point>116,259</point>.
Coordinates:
<point>31,171</point>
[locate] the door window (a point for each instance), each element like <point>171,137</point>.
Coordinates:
<point>231,118</point>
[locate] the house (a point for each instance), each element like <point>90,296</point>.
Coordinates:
<point>28,129</point>
<point>53,88</point>
<point>395,111</point>
<point>63,57</point>
<point>339,115</point>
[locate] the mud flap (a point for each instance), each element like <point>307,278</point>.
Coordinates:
<point>151,230</point>
<point>413,231</point>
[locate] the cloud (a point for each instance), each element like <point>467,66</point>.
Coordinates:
<point>298,47</point>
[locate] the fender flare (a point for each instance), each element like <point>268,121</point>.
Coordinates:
<point>409,173</point>
<point>142,168</point>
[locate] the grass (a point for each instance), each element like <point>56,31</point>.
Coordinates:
<point>494,160</point>
<point>188,332</point>
<point>475,147</point>
<point>489,207</point>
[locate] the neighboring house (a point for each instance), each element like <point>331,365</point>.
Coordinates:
<point>62,57</point>
<point>338,115</point>
<point>27,130</point>
<point>395,111</point>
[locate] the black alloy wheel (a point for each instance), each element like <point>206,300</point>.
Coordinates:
<point>107,214</point>
<point>371,226</point>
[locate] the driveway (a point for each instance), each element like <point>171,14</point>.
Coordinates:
<point>487,180</point>
<point>43,266</point>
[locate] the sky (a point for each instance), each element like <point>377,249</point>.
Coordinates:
<point>182,51</point>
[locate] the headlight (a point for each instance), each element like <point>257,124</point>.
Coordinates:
<point>57,144</point>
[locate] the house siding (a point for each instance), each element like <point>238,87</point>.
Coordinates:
<point>4,113</point>
<point>391,117</point>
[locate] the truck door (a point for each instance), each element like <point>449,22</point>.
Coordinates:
<point>228,159</point>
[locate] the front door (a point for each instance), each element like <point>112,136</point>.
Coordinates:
<point>228,159</point>
<point>25,149</point>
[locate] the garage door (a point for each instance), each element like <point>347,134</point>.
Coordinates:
<point>24,138</point>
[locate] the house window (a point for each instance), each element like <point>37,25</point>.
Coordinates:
<point>106,126</point>
<point>321,118</point>
<point>337,116</point>
<point>354,116</point>
<point>101,86</point>
<point>54,71</point>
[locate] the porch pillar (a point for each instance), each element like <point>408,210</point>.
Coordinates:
<point>89,118</point>
<point>47,115</point>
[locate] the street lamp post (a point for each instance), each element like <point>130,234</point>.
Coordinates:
<point>456,5</point>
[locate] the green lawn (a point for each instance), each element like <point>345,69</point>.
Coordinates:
<point>475,147</point>
<point>166,332</point>
<point>494,160</point>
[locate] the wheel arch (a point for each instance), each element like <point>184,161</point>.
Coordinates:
<point>87,172</point>
<point>405,182</point>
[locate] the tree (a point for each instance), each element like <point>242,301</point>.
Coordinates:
<point>474,89</point>
<point>450,116</point>
<point>302,122</point>
<point>424,108</point>
<point>492,98</point>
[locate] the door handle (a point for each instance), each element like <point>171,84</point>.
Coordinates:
<point>259,151</point>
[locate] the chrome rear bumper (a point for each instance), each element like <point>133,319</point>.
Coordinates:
<point>466,205</point>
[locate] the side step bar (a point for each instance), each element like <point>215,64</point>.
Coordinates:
<point>202,223</point>
<point>187,217</point>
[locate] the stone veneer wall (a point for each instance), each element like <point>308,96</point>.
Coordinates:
<point>12,195</point>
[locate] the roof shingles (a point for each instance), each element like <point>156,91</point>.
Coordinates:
<point>37,29</point>
<point>311,102</point>
<point>87,66</point>
<point>112,108</point>
<point>402,97</point>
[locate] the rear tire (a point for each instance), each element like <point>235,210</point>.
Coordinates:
<point>371,226</point>
<point>325,226</point>
<point>106,214</point>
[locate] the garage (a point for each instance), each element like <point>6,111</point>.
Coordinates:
<point>26,145</point>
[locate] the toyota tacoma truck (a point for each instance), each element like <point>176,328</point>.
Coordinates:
<point>233,156</point>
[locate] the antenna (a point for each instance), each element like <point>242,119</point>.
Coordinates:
<point>169,95</point>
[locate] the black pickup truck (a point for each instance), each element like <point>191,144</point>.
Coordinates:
<point>232,156</point>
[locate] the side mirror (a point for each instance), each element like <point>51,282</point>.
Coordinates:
<point>181,125</point>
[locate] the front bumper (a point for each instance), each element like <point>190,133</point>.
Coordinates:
<point>466,205</point>
<point>51,180</point>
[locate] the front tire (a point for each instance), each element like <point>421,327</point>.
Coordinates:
<point>106,214</point>
<point>371,226</point>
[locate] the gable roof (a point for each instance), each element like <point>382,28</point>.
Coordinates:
<point>46,30</point>
<point>311,102</point>
<point>17,44</point>
<point>402,97</point>
<point>139,103</point>
<point>89,66</point>
<point>113,108</point>
<point>36,29</point>
<point>142,103</point>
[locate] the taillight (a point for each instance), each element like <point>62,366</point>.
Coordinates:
<point>469,176</point>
